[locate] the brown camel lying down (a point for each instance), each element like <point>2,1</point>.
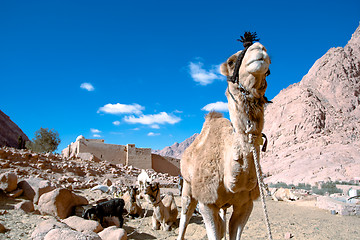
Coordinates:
<point>165,210</point>
<point>218,168</point>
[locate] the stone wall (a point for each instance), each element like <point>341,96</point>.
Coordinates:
<point>341,208</point>
<point>166,164</point>
<point>138,157</point>
<point>97,150</point>
<point>112,153</point>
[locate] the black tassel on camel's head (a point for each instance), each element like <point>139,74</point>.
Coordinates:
<point>248,39</point>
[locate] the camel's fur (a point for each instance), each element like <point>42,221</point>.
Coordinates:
<point>218,168</point>
<point>132,203</point>
<point>283,194</point>
<point>165,210</point>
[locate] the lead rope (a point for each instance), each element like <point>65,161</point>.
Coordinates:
<point>135,230</point>
<point>261,183</point>
<point>257,166</point>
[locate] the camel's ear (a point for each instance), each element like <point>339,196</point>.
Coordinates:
<point>224,69</point>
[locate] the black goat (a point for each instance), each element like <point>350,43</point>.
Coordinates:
<point>113,207</point>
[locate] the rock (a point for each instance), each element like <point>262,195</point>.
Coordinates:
<point>113,233</point>
<point>35,187</point>
<point>10,132</point>
<point>16,193</point>
<point>26,206</point>
<point>69,234</point>
<point>8,181</point>
<point>2,228</point>
<point>318,131</point>
<point>44,227</point>
<point>82,225</point>
<point>107,182</point>
<point>60,202</point>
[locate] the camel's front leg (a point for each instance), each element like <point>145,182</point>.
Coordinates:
<point>239,218</point>
<point>155,223</point>
<point>213,221</point>
<point>188,205</point>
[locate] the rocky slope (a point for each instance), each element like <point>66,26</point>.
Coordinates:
<point>9,132</point>
<point>313,125</point>
<point>177,149</point>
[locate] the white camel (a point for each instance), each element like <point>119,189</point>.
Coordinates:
<point>218,168</point>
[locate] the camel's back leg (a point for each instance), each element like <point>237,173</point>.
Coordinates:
<point>188,205</point>
<point>238,219</point>
<point>213,221</point>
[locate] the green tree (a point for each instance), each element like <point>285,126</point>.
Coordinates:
<point>45,140</point>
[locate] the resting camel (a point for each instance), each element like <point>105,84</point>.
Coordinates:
<point>218,168</point>
<point>165,210</point>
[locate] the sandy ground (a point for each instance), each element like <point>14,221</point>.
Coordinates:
<point>302,219</point>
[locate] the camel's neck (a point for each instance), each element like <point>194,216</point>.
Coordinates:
<point>246,109</point>
<point>157,200</point>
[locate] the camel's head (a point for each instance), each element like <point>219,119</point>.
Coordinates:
<point>253,69</point>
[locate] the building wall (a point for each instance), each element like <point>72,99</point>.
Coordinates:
<point>120,154</point>
<point>138,157</point>
<point>165,164</point>
<point>112,153</point>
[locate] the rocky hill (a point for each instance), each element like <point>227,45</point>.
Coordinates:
<point>177,149</point>
<point>313,126</point>
<point>9,132</point>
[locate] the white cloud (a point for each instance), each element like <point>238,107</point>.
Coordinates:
<point>96,135</point>
<point>218,106</point>
<point>87,86</point>
<point>93,130</point>
<point>155,126</point>
<point>151,134</point>
<point>151,119</point>
<point>202,76</point>
<point>116,123</point>
<point>119,108</point>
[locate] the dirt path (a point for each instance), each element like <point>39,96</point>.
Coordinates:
<point>302,219</point>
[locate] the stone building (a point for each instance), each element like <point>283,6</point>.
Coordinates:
<point>121,154</point>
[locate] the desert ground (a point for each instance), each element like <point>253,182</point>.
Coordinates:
<point>300,220</point>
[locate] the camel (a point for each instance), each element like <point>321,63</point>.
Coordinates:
<point>283,194</point>
<point>132,204</point>
<point>218,168</point>
<point>164,210</point>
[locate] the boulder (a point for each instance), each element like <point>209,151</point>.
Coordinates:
<point>60,202</point>
<point>26,206</point>
<point>82,225</point>
<point>69,234</point>
<point>34,187</point>
<point>113,233</point>
<point>8,181</point>
<point>44,227</point>
<point>16,193</point>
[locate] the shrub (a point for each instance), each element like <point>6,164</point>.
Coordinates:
<point>327,187</point>
<point>303,186</point>
<point>45,140</point>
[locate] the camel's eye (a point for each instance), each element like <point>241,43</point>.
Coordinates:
<point>230,63</point>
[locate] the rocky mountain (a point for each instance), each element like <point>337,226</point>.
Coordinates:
<point>9,132</point>
<point>177,149</point>
<point>314,125</point>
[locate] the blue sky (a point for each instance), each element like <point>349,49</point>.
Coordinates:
<point>145,72</point>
